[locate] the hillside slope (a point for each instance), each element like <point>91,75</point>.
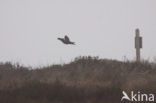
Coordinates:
<point>85,80</point>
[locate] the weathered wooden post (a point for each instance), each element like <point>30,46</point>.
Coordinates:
<point>138,44</point>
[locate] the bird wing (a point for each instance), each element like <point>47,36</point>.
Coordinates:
<point>66,38</point>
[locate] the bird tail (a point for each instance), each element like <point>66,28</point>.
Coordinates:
<point>73,43</point>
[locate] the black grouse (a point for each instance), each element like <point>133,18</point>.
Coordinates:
<point>66,40</point>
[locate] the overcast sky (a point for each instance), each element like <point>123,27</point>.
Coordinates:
<point>106,28</point>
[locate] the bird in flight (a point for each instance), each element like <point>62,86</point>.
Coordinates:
<point>66,40</point>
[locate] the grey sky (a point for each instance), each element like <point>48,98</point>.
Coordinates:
<point>104,28</point>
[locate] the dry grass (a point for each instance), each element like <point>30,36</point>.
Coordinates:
<point>85,80</point>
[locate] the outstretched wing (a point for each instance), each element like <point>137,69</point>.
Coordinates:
<point>66,38</point>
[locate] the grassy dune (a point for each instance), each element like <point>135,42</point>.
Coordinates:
<point>85,80</point>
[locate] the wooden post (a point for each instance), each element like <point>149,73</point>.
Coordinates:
<point>138,44</point>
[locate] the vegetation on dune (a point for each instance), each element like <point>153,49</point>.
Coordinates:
<point>85,80</point>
